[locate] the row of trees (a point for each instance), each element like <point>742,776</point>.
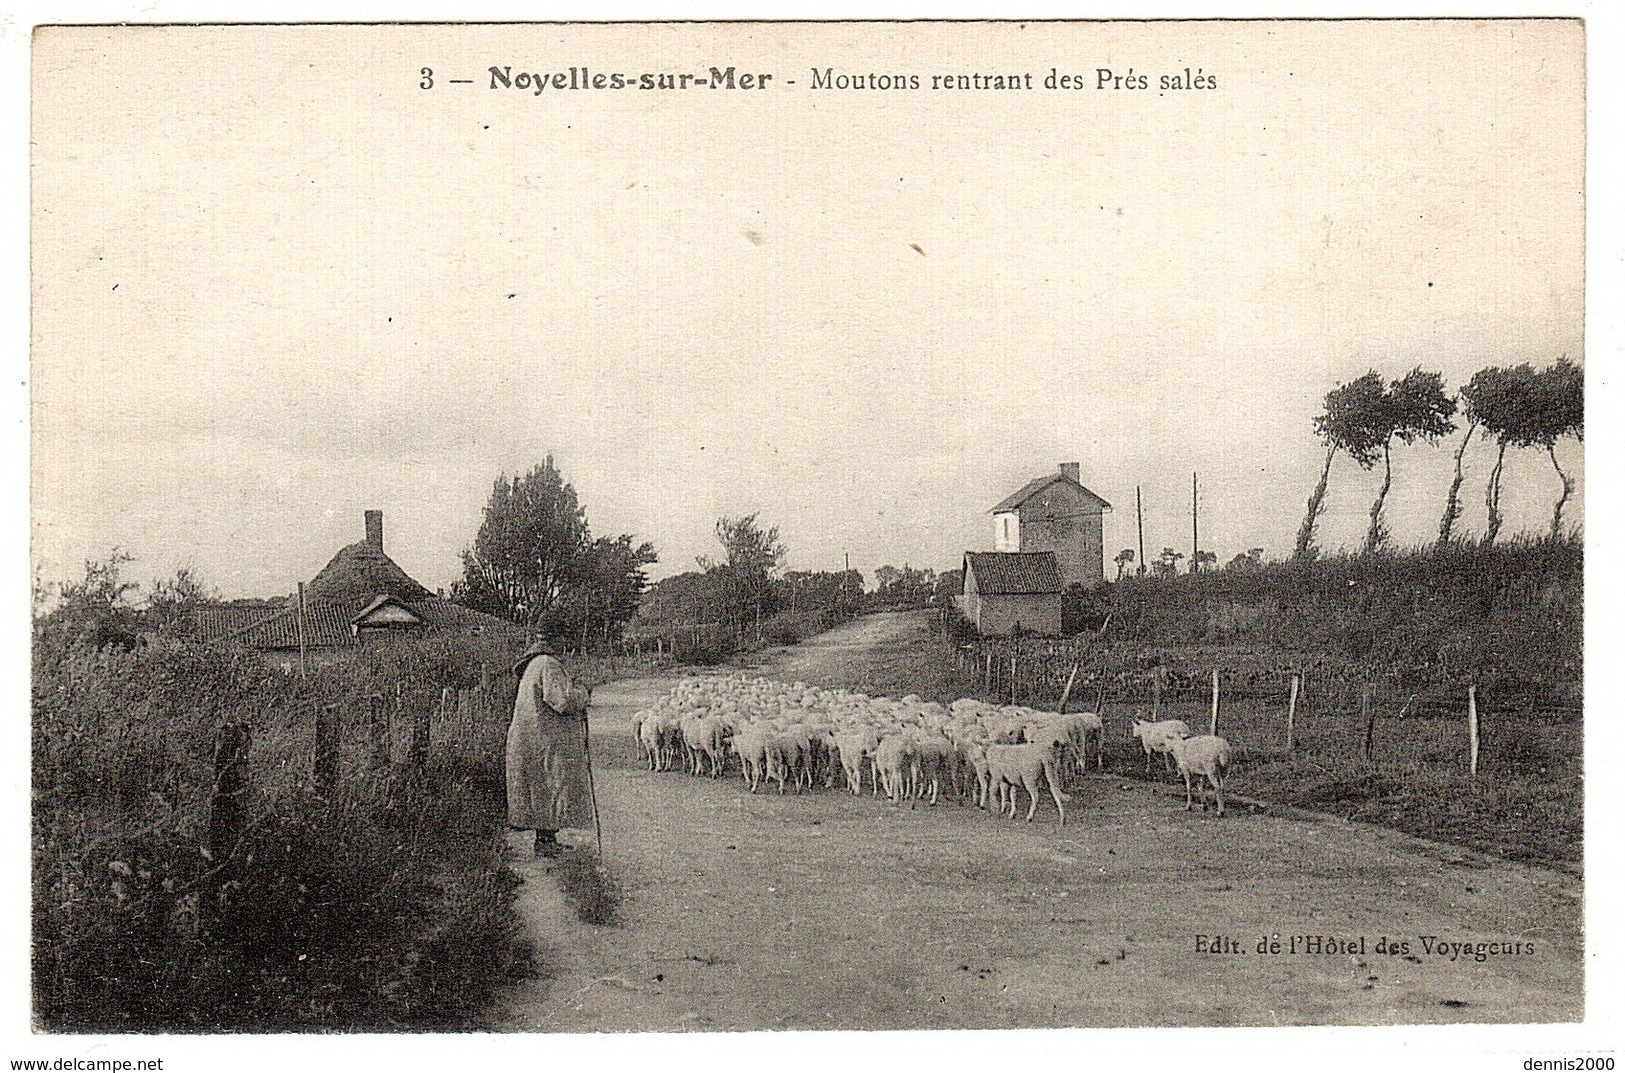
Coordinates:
<point>106,607</point>
<point>1518,406</point>
<point>1167,564</point>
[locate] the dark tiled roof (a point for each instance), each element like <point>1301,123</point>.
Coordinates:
<point>328,623</point>
<point>217,622</point>
<point>1033,487</point>
<point>439,614</point>
<point>357,580</point>
<point>1013,573</point>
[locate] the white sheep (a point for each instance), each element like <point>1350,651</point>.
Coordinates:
<point>891,763</point>
<point>851,746</point>
<point>1207,755</point>
<point>750,745</point>
<point>1154,738</point>
<point>930,762</point>
<point>1010,766</point>
<point>787,753</point>
<point>1087,728</point>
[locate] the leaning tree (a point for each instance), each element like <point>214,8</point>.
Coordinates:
<point>1414,408</point>
<point>1352,422</point>
<point>1452,498</point>
<point>1500,398</point>
<point>1557,410</point>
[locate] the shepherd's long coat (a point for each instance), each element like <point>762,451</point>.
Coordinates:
<point>548,784</point>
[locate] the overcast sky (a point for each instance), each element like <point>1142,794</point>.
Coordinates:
<point>277,284</point>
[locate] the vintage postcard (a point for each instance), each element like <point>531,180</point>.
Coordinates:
<point>698,528</point>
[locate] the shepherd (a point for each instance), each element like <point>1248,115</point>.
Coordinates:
<point>549,780</point>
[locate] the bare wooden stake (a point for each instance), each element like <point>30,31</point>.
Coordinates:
<point>422,722</point>
<point>1370,719</point>
<point>1472,730</point>
<point>1012,679</point>
<point>227,809</point>
<point>378,721</point>
<point>324,761</point>
<point>1291,714</point>
<point>1213,723</point>
<point>299,625</point>
<point>1067,692</point>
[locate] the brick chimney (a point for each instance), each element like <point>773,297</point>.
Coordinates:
<point>375,529</point>
<point>1069,470</point>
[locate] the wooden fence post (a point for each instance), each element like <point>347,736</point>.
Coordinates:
<point>987,675</point>
<point>227,808</point>
<point>1472,729</point>
<point>1067,692</point>
<point>325,755</point>
<point>1291,714</point>
<point>422,723</point>
<point>1213,722</point>
<point>1370,718</point>
<point>1012,678</point>
<point>378,724</point>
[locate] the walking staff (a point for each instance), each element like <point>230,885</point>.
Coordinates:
<point>592,790</point>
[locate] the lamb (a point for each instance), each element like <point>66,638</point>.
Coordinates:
<point>929,762</point>
<point>787,754</point>
<point>852,746</point>
<point>1207,755</point>
<point>973,758</point>
<point>1154,737</point>
<point>1087,727</point>
<point>891,762</point>
<point>750,744</point>
<point>1013,765</point>
<point>657,735</point>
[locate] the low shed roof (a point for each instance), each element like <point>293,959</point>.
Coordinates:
<point>1013,573</point>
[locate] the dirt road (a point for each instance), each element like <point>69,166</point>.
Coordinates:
<point>822,910</point>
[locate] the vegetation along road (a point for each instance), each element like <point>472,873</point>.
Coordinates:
<point>821,910</point>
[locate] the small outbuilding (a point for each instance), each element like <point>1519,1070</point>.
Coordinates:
<point>1009,590</point>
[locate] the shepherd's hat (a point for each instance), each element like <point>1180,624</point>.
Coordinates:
<point>542,647</point>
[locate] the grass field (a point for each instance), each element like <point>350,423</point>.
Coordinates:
<point>1525,803</point>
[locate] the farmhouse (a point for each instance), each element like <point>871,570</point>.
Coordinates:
<point>1055,513</point>
<point>1005,590</point>
<point>360,594</point>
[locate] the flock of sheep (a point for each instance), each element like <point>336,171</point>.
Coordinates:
<point>793,734</point>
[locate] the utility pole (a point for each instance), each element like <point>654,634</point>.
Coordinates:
<point>1196,548</point>
<point>1139,521</point>
<point>299,619</point>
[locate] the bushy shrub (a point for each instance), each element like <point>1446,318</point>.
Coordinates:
<point>333,909</point>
